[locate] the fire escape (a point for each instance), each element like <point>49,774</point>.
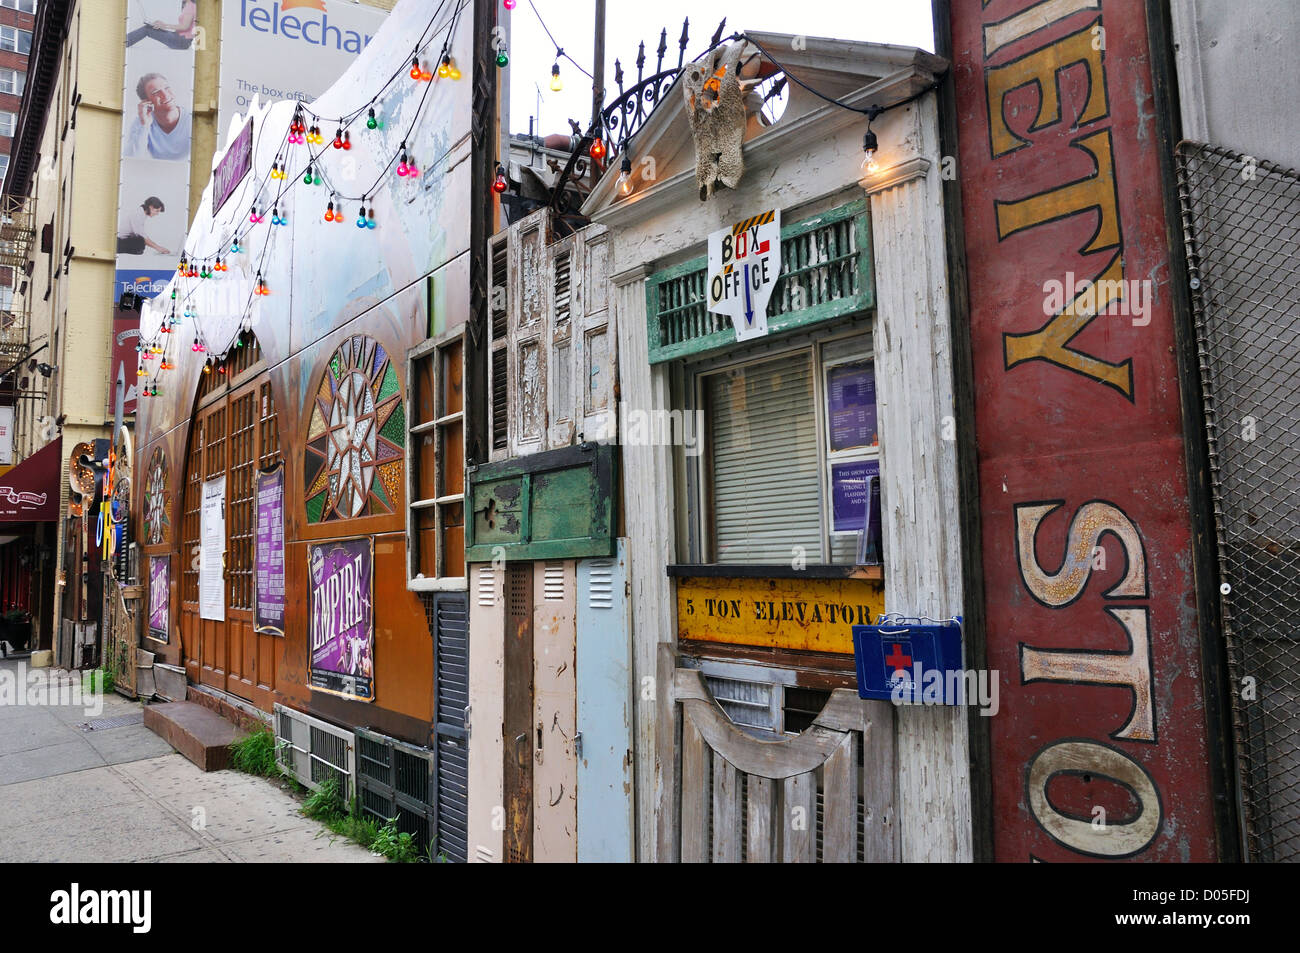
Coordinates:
<point>17,232</point>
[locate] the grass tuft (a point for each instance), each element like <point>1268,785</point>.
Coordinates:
<point>255,754</point>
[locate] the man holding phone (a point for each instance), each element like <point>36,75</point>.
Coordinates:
<point>162,126</point>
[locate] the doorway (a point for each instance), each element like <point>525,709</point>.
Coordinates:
<point>234,434</point>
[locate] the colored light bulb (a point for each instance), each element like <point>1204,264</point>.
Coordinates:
<point>502,60</point>
<point>500,184</point>
<point>508,4</point>
<point>338,138</point>
<point>207,368</point>
<point>361,217</point>
<point>597,149</point>
<point>556,83</point>
<point>371,121</point>
<point>329,212</point>
<point>415,68</point>
<point>139,372</point>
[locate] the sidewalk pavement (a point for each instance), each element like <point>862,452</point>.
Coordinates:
<point>119,793</point>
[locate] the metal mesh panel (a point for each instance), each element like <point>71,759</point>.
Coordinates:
<point>1241,223</point>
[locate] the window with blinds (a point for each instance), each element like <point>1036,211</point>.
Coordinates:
<point>766,483</point>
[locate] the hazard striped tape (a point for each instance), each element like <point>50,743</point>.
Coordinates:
<point>752,222</point>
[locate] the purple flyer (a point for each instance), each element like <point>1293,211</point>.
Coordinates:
<point>849,485</point>
<point>342,617</point>
<point>851,406</point>
<point>159,596</point>
<point>268,608</point>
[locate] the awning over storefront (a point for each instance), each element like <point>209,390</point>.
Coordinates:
<point>29,493</point>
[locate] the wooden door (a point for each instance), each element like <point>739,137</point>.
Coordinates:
<point>232,438</point>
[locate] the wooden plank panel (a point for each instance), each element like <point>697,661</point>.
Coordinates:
<point>798,819</point>
<point>840,804</point>
<point>760,842</point>
<point>695,812</point>
<point>878,785</point>
<point>726,812</point>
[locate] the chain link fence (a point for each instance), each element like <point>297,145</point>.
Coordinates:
<point>1241,224</point>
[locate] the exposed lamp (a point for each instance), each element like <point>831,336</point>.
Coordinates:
<point>502,59</point>
<point>597,149</point>
<point>373,121</point>
<point>557,84</point>
<point>508,4</point>
<point>447,68</point>
<point>625,176</point>
<point>869,146</point>
<point>261,288</point>
<point>500,184</point>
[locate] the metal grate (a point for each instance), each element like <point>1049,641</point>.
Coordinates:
<point>396,779</point>
<point>313,750</point>
<point>448,614</point>
<point>825,273</point>
<point>116,721</point>
<point>1241,224</point>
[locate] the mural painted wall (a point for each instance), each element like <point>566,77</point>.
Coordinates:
<point>344,304</point>
<point>1100,749</point>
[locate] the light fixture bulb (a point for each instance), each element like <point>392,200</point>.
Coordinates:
<point>556,83</point>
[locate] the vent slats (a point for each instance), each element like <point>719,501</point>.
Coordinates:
<point>563,293</point>
<point>600,592</point>
<point>500,400</point>
<point>553,586</point>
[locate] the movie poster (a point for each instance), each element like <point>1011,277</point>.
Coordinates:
<point>159,597</point>
<point>343,617</point>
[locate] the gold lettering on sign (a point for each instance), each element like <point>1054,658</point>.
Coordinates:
<point>1049,342</point>
<point>1041,68</point>
<point>1094,193</point>
<point>1129,668</point>
<point>1090,523</point>
<point>1097,760</point>
<point>1038,17</point>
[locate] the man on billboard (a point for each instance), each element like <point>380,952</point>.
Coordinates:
<point>163,129</point>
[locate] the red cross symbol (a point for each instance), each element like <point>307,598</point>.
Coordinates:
<point>897,660</point>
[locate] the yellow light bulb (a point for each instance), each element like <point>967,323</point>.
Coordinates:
<point>556,83</point>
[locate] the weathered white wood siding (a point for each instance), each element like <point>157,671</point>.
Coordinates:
<point>918,466</point>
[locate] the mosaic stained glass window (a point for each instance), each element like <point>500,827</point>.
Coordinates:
<point>157,500</point>
<point>355,436</point>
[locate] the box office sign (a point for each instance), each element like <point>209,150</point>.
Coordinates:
<point>744,262</point>
<point>802,615</point>
<point>343,617</point>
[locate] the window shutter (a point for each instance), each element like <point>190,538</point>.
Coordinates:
<point>766,484</point>
<point>451,676</point>
<point>498,383</point>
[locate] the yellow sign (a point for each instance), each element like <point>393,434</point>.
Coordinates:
<point>813,615</point>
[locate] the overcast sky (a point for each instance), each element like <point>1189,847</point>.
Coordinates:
<point>628,23</point>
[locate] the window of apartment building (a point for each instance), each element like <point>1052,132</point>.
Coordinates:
<point>15,40</point>
<point>8,123</point>
<point>4,165</point>
<point>25,6</point>
<point>12,81</point>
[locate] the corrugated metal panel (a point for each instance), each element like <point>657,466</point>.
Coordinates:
<point>766,488</point>
<point>604,660</point>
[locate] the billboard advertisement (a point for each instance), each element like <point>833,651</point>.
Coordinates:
<point>1099,751</point>
<point>287,49</point>
<point>154,187</point>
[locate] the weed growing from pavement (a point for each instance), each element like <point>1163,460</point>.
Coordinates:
<point>98,681</point>
<point>327,806</point>
<point>255,754</point>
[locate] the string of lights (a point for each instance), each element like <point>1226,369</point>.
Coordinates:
<point>313,173</point>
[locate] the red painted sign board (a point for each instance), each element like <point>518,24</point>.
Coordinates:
<point>1099,749</point>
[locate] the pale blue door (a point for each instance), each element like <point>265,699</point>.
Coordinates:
<point>604,660</point>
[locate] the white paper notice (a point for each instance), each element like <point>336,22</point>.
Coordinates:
<point>212,551</point>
